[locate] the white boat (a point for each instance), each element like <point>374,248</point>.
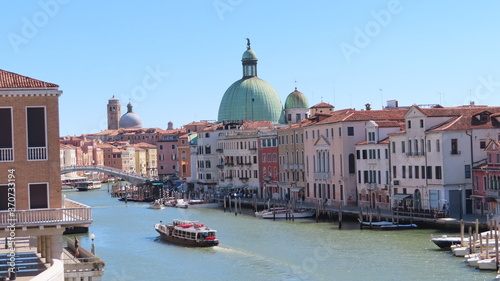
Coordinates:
<point>445,241</point>
<point>157,205</point>
<point>181,203</point>
<point>270,210</point>
<point>282,214</point>
<point>88,185</point>
<point>198,203</point>
<point>488,264</point>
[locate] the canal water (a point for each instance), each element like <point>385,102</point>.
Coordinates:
<point>257,249</point>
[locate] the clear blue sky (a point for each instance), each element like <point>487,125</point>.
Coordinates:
<point>341,52</point>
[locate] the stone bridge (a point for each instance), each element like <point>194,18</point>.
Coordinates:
<point>130,177</point>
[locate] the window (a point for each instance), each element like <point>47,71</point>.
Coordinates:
<point>358,154</point>
<point>429,172</point>
<point>467,172</point>
<point>402,147</point>
<point>482,144</point>
<point>417,172</point>
<point>454,146</point>
<point>438,147</point>
<point>394,174</point>
<point>438,172</point>
<point>37,133</point>
<point>38,194</point>
<point>6,131</point>
<point>393,147</point>
<point>161,146</point>
<point>428,145</point>
<point>350,131</point>
<point>421,123</point>
<point>365,154</point>
<point>352,164</point>
<point>340,132</point>
<point>4,197</point>
<point>403,172</point>
<point>409,124</point>
<point>410,172</point>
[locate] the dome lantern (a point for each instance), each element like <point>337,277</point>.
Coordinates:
<point>249,62</point>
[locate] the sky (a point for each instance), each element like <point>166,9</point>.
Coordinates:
<point>174,59</point>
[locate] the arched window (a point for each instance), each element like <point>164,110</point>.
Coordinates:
<point>352,164</point>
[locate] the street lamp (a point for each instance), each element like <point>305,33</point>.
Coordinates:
<point>92,236</point>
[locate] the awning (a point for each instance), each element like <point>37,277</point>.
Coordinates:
<point>297,188</point>
<point>400,197</point>
<point>484,199</point>
<point>251,187</point>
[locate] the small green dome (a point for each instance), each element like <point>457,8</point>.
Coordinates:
<point>296,99</point>
<point>249,55</point>
<point>251,98</point>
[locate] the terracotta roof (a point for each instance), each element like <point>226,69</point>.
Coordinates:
<point>11,80</point>
<point>322,105</point>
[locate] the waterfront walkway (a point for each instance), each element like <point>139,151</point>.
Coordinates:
<point>355,213</point>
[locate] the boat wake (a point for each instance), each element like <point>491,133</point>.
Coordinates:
<point>266,264</point>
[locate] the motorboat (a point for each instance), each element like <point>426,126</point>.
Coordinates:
<point>386,225</point>
<point>188,233</point>
<point>446,242</point>
<point>157,205</point>
<point>288,213</point>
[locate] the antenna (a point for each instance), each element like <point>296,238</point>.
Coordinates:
<point>382,97</point>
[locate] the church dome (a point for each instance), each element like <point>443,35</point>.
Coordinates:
<point>296,99</point>
<point>130,119</point>
<point>251,98</point>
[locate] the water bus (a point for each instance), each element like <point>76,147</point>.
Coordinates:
<point>187,233</point>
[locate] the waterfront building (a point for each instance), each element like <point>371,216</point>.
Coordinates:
<point>184,157</point>
<point>30,166</point>
<point>150,165</point>
<point>251,98</point>
<point>373,165</point>
<point>166,146</point>
<point>238,155</point>
<point>432,157</point>
<point>330,149</point>
<point>205,158</point>
<point>119,155</point>
<point>292,178</point>
<point>486,180</point>
<point>268,164</point>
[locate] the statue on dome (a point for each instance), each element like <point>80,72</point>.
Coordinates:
<point>248,43</point>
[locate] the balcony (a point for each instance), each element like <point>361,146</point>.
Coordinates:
<point>73,213</point>
<point>6,154</point>
<point>219,150</point>
<point>293,166</point>
<point>420,153</point>
<point>37,153</point>
<point>321,176</point>
<point>220,166</point>
<point>493,193</point>
<point>455,152</point>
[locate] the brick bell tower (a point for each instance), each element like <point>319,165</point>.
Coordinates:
<point>114,113</point>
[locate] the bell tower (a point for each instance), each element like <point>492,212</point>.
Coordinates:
<point>114,113</point>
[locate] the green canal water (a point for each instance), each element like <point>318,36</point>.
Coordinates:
<point>257,249</point>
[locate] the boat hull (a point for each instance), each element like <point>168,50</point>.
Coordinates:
<point>296,215</point>
<point>383,225</point>
<point>186,242</point>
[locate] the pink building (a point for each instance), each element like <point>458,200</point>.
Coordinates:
<point>486,180</point>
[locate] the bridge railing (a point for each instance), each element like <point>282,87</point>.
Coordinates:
<point>105,169</point>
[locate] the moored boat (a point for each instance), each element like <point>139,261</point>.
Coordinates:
<point>287,213</point>
<point>188,233</point>
<point>386,225</point>
<point>157,205</point>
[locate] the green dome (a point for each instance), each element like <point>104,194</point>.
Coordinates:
<point>296,99</point>
<point>249,55</point>
<point>251,98</point>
